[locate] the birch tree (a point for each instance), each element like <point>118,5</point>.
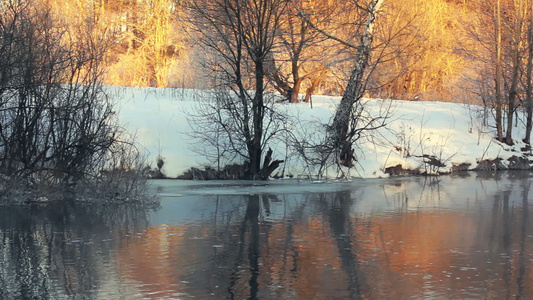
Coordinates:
<point>353,26</point>
<point>340,130</point>
<point>359,23</point>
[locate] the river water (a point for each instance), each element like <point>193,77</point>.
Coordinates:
<point>451,237</point>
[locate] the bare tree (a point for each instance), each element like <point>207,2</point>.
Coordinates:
<point>529,77</point>
<point>241,34</point>
<point>501,52</point>
<point>303,55</point>
<point>355,32</point>
<point>516,45</point>
<point>498,78</point>
<point>341,135</point>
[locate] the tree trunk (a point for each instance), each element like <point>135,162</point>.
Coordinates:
<point>280,83</point>
<point>529,92</point>
<point>258,114</point>
<point>296,79</point>
<point>269,166</point>
<point>499,129</point>
<point>296,90</point>
<point>354,91</point>
<point>516,43</point>
<point>314,83</point>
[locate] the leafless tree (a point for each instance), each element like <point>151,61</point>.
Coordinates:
<point>503,53</point>
<point>240,34</point>
<point>354,30</point>
<point>340,131</point>
<point>528,103</point>
<point>303,54</point>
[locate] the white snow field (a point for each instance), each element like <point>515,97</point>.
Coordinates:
<point>454,133</point>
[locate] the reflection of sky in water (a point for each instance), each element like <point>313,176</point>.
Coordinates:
<point>186,201</point>
<point>191,209</point>
<point>194,208</point>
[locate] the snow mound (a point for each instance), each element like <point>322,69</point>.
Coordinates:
<point>451,133</point>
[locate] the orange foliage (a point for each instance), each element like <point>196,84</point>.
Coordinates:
<point>431,61</point>
<point>425,58</point>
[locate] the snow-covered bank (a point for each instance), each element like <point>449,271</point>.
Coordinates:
<point>453,133</point>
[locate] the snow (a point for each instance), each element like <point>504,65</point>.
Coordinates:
<point>452,132</point>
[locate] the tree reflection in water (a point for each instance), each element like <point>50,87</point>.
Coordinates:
<point>456,237</point>
<point>59,251</point>
<point>521,278</point>
<point>338,215</point>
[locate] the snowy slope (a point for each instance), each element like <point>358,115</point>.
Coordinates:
<point>454,133</point>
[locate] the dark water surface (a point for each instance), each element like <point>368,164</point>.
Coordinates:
<point>465,237</point>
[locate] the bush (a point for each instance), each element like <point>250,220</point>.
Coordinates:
<point>58,129</point>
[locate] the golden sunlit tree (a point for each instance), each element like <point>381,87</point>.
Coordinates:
<point>528,102</point>
<point>504,60</point>
<point>303,56</point>
<point>146,45</point>
<point>428,64</point>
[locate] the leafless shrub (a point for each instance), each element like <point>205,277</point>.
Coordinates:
<point>57,126</point>
<point>321,154</point>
